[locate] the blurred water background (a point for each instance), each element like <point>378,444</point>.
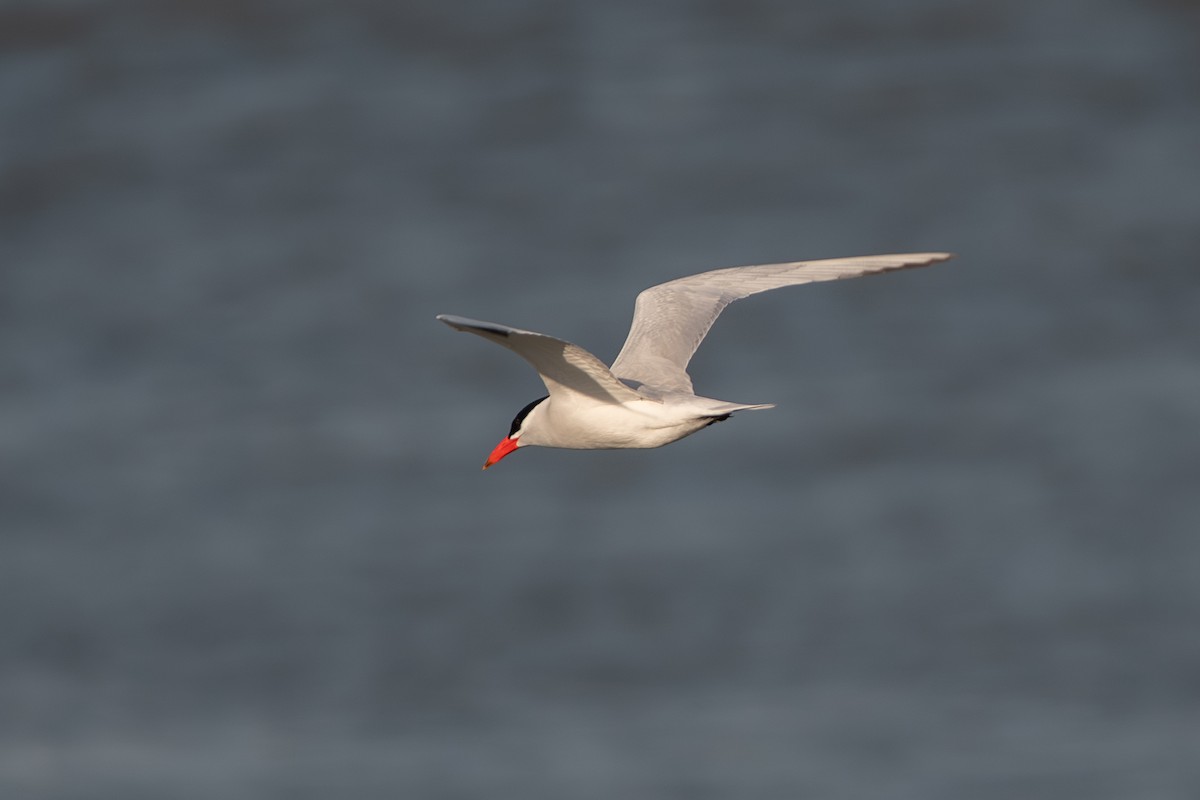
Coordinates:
<point>246,550</point>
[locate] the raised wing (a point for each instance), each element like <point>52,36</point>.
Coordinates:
<point>671,319</point>
<point>562,366</point>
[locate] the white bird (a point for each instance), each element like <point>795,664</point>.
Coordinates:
<point>645,398</point>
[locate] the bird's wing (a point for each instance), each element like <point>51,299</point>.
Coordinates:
<point>671,319</point>
<point>562,366</point>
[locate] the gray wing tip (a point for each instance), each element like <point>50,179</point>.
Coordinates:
<point>913,259</point>
<point>906,260</point>
<point>919,259</point>
<point>927,259</point>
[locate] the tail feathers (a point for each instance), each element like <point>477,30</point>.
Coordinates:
<point>725,409</point>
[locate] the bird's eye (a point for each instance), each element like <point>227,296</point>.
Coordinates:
<point>521,415</point>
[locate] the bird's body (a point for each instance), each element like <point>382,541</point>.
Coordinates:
<point>641,423</point>
<point>646,399</point>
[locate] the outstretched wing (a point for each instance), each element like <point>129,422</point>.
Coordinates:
<point>671,319</point>
<point>562,366</point>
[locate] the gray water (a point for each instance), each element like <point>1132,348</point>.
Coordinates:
<point>246,550</point>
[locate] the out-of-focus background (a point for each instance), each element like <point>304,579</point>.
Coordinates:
<point>246,549</point>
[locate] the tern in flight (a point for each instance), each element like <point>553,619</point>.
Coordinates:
<point>645,399</point>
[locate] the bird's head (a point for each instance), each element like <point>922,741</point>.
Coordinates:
<point>521,425</point>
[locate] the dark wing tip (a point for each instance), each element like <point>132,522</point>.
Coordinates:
<point>465,324</point>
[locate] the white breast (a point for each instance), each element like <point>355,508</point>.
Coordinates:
<point>602,426</point>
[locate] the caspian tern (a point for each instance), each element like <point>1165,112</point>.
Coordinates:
<point>645,399</point>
